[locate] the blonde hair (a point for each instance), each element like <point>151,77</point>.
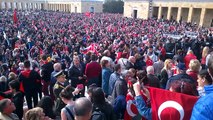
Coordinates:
<point>190,52</point>
<point>12,75</point>
<point>34,114</point>
<point>166,63</point>
<point>205,52</point>
<point>194,65</point>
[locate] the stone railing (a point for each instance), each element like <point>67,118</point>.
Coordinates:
<point>135,0</point>
<point>48,0</point>
<point>171,0</point>
<point>183,0</point>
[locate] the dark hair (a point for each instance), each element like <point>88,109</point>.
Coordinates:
<point>205,74</point>
<point>14,84</point>
<point>184,86</point>
<point>44,57</point>
<point>160,57</point>
<point>91,87</point>
<point>46,104</point>
<point>124,54</point>
<point>98,96</point>
<point>93,57</point>
<point>142,76</point>
<point>67,93</point>
<point>104,62</point>
<point>82,106</point>
<point>3,104</point>
<point>117,67</point>
<point>27,64</point>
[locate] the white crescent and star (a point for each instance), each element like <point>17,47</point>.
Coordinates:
<point>128,108</point>
<point>172,104</point>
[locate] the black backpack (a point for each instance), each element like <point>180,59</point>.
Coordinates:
<point>98,115</point>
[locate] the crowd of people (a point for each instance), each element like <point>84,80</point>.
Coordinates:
<point>98,66</point>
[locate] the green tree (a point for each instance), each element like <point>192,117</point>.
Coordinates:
<point>113,7</point>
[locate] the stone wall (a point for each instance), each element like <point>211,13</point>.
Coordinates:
<point>141,7</point>
<point>77,6</point>
<point>187,10</point>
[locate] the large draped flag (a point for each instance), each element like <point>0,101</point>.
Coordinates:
<point>15,18</point>
<point>92,48</point>
<point>168,105</point>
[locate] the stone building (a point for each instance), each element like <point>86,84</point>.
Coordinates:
<point>77,6</point>
<point>194,11</point>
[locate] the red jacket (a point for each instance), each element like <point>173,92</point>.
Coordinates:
<point>193,74</point>
<point>187,59</point>
<point>93,69</point>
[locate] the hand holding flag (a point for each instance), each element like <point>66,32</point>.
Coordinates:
<point>15,19</point>
<point>168,105</point>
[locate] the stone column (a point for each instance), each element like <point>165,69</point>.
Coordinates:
<point>20,6</point>
<point>14,5</point>
<point>190,14</point>
<point>202,16</point>
<point>33,6</point>
<point>39,6</point>
<point>159,12</point>
<point>179,14</point>
<point>54,7</point>
<point>64,7</point>
<point>169,13</point>
<point>26,6</point>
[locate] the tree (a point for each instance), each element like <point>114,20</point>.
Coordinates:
<point>113,7</point>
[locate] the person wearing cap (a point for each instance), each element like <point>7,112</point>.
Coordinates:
<point>57,68</point>
<point>181,74</point>
<point>60,84</point>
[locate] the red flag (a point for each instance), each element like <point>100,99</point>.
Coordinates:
<point>87,14</point>
<point>15,19</point>
<point>168,105</point>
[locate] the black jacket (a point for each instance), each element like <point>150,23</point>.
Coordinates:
<point>106,109</point>
<point>130,65</point>
<point>30,79</point>
<point>18,100</point>
<point>153,81</point>
<point>74,73</point>
<point>46,71</point>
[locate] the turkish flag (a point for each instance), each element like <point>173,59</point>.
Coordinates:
<point>15,19</point>
<point>168,105</point>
